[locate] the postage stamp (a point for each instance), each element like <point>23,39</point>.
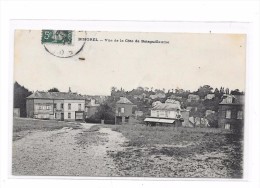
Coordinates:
<point>57,36</point>
<point>63,43</point>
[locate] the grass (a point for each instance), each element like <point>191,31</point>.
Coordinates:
<point>23,126</point>
<point>141,135</point>
<point>179,152</point>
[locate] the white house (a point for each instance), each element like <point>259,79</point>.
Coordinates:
<point>168,113</point>
<point>55,105</point>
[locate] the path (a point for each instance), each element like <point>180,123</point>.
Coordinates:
<point>56,153</point>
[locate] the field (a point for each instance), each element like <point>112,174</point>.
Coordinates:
<point>24,126</point>
<point>179,152</point>
<point>45,147</point>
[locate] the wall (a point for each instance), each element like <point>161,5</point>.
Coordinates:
<point>29,108</point>
<point>74,108</point>
<point>163,113</point>
<point>128,109</point>
<point>185,115</point>
<point>233,121</point>
<point>45,112</point>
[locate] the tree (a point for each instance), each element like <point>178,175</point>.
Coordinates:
<point>20,94</point>
<point>104,112</point>
<point>204,90</point>
<point>213,119</point>
<point>222,90</point>
<point>236,92</point>
<point>227,91</point>
<point>54,89</point>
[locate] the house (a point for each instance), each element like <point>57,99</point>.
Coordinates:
<point>231,112</point>
<point>208,112</point>
<point>168,114</point>
<point>173,102</point>
<point>142,96</point>
<point>124,111</point>
<point>210,96</point>
<point>158,96</point>
<point>138,113</point>
<point>175,97</point>
<point>55,105</point>
<point>190,108</point>
<point>193,98</point>
<point>91,107</point>
<point>156,103</point>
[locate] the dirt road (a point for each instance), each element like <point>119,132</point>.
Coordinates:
<point>56,153</point>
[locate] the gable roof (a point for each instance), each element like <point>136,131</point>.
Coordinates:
<point>167,106</point>
<point>55,95</point>
<point>236,100</point>
<point>124,100</point>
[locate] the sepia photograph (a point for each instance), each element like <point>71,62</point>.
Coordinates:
<point>128,104</point>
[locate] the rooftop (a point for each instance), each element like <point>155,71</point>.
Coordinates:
<point>233,99</point>
<point>55,95</point>
<point>167,106</point>
<point>124,100</point>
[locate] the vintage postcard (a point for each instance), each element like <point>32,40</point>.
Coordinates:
<point>128,104</point>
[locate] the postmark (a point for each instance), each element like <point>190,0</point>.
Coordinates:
<point>63,43</point>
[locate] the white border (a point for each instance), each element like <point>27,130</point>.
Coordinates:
<point>249,26</point>
<point>125,26</point>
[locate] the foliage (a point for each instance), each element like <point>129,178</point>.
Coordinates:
<point>204,90</point>
<point>213,119</point>
<point>104,112</point>
<point>54,89</point>
<point>20,94</point>
<point>236,92</point>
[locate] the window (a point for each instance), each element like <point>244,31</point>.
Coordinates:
<point>229,100</point>
<point>227,126</point>
<point>40,107</point>
<point>61,105</point>
<point>228,114</point>
<point>48,107</point>
<point>79,107</point>
<point>122,110</point>
<point>157,113</point>
<point>43,107</point>
<point>69,106</point>
<point>55,115</point>
<point>69,115</point>
<point>54,105</point>
<point>240,115</point>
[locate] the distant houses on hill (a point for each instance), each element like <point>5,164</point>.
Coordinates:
<point>154,108</point>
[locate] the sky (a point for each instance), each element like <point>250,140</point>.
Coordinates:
<point>187,61</point>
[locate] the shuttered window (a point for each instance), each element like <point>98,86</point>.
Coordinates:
<point>228,114</point>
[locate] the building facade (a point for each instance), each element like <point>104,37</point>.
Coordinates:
<point>231,112</point>
<point>56,105</point>
<point>124,111</point>
<point>169,113</point>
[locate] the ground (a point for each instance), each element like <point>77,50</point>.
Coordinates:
<point>42,147</point>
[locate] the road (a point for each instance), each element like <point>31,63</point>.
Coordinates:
<point>57,153</point>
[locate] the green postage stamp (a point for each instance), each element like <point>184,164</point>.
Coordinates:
<point>57,36</point>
